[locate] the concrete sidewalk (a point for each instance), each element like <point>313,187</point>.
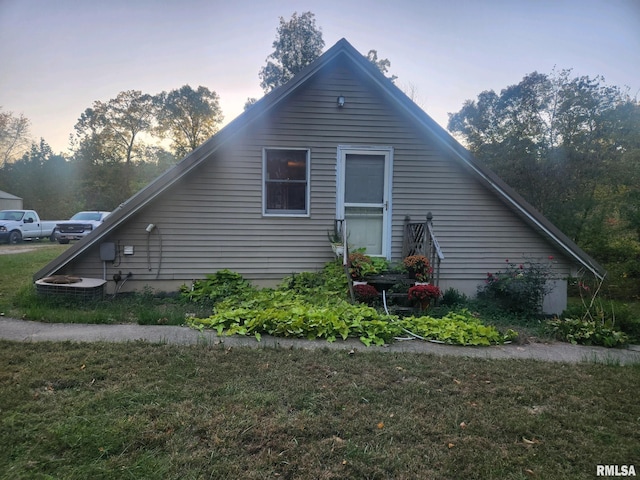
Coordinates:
<point>28,331</point>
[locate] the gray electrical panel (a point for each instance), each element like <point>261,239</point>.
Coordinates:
<point>108,251</point>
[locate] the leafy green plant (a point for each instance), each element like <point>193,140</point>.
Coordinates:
<point>282,313</point>
<point>459,328</point>
<point>586,332</point>
<point>380,265</point>
<point>303,282</point>
<point>331,280</point>
<point>593,309</point>
<point>218,286</point>
<point>360,265</point>
<point>334,235</point>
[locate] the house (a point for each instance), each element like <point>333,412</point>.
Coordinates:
<point>9,202</point>
<point>337,141</point>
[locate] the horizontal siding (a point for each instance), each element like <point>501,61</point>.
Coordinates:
<point>212,218</point>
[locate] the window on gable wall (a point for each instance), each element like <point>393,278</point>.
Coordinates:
<point>286,181</point>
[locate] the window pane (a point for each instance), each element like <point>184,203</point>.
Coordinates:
<point>286,196</point>
<point>364,228</point>
<point>364,178</point>
<point>286,165</point>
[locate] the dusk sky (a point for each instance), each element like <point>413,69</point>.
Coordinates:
<point>59,56</point>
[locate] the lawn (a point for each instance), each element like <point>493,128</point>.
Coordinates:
<point>78,411</point>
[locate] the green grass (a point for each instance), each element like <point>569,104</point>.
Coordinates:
<point>18,297</point>
<point>135,410</point>
<point>16,269</point>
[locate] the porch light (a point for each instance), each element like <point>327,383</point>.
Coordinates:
<point>340,101</point>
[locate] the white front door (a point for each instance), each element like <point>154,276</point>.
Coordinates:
<point>364,197</point>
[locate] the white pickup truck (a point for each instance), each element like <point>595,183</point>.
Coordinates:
<point>18,225</point>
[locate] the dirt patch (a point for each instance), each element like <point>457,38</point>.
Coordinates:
<point>22,247</point>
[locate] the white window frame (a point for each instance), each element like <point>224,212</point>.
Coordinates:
<point>286,213</point>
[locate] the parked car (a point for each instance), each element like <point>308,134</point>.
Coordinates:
<point>78,226</point>
<point>18,225</point>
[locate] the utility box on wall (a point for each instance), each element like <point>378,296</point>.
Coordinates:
<point>108,251</point>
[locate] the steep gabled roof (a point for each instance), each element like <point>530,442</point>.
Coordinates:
<point>342,48</point>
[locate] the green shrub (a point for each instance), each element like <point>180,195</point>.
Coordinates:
<point>314,305</point>
<point>452,297</point>
<point>331,280</point>
<point>303,282</point>
<point>520,288</point>
<point>615,313</point>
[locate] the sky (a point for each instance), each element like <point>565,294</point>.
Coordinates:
<point>57,57</point>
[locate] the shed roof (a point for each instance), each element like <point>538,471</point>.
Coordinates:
<point>8,196</point>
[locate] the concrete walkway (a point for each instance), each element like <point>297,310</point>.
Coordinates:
<point>27,331</point>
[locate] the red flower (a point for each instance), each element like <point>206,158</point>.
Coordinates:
<point>423,292</point>
<point>365,293</point>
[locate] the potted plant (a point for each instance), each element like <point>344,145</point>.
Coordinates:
<point>418,267</point>
<point>335,238</point>
<point>360,265</point>
<point>423,295</point>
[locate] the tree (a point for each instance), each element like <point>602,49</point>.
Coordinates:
<point>298,43</point>
<point>250,101</point>
<point>383,64</point>
<point>571,147</point>
<point>546,137</point>
<point>46,182</point>
<point>114,128</point>
<point>101,174</point>
<point>14,136</point>
<point>189,117</point>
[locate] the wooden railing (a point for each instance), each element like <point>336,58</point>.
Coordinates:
<point>419,239</point>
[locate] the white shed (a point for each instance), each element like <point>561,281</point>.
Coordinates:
<point>8,201</point>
